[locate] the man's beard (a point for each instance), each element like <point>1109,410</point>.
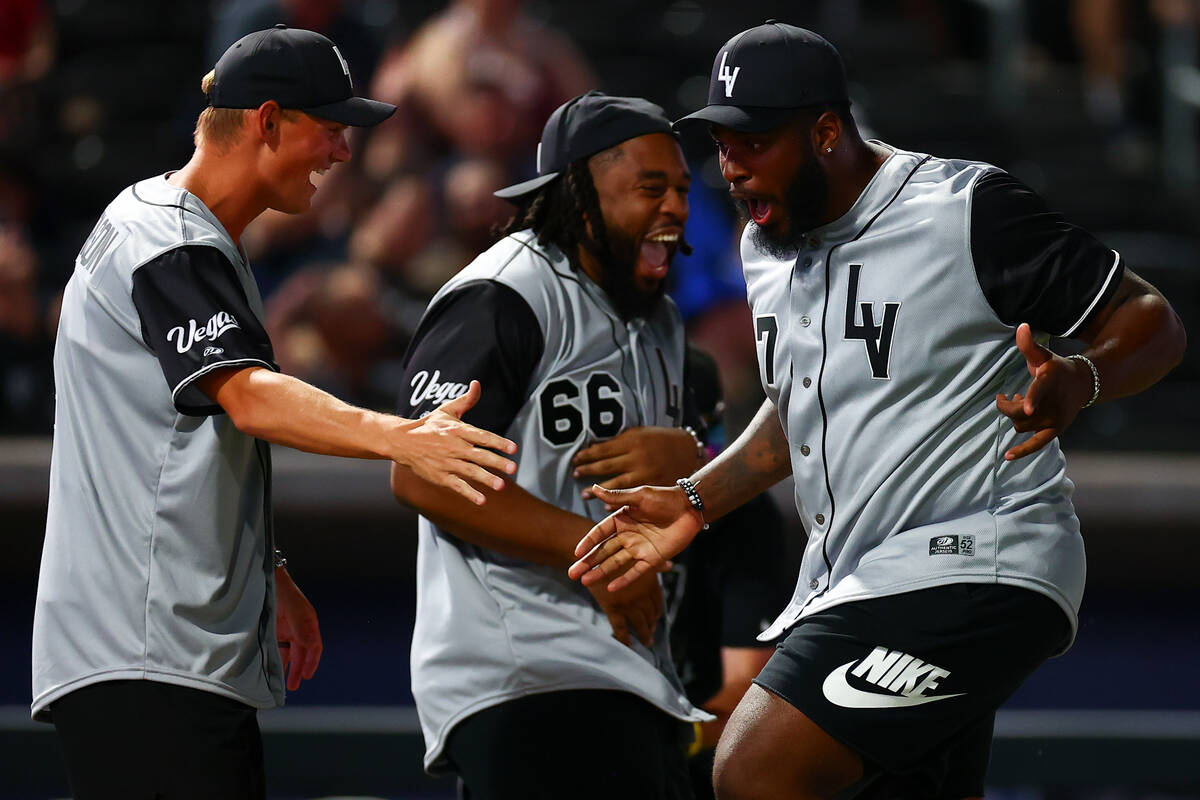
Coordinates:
<point>804,201</point>
<point>619,261</point>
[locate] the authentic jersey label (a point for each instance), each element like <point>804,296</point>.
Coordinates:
<point>219,323</point>
<point>890,679</point>
<point>952,545</point>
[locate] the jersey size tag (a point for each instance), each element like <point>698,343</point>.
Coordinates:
<point>952,545</point>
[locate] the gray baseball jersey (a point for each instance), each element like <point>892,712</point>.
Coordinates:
<point>560,369</point>
<point>157,561</point>
<point>883,343</point>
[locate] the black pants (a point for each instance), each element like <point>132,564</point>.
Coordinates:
<point>588,743</point>
<point>145,740</point>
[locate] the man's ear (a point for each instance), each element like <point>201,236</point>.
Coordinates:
<point>265,122</point>
<point>826,132</point>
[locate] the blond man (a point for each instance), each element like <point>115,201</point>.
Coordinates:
<point>165,616</point>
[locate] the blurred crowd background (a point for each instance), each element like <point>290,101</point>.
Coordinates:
<point>1093,102</point>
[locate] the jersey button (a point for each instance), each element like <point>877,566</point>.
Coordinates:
<point>804,450</point>
<point>807,382</point>
<point>820,518</point>
<point>814,583</point>
<point>805,320</point>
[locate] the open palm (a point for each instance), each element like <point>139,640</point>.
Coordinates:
<point>651,525</point>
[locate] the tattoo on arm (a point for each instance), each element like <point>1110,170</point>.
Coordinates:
<point>758,460</point>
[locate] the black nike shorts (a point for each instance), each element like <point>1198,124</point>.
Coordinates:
<point>146,740</point>
<point>912,681</point>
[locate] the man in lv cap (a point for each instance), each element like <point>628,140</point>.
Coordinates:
<point>902,305</point>
<point>165,616</point>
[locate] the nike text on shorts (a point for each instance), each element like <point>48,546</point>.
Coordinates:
<point>900,679</point>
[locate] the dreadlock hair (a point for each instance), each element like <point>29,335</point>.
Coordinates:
<point>560,212</point>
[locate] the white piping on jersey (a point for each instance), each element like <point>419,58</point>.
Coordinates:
<point>207,368</point>
<point>821,375</point>
<point>1104,288</point>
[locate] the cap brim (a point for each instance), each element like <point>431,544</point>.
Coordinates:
<point>518,190</point>
<point>357,112</point>
<point>745,119</point>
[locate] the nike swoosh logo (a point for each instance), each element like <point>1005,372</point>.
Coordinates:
<point>838,691</point>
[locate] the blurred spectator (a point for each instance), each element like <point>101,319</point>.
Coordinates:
<point>27,45</point>
<point>340,327</point>
<point>396,228</point>
<point>1104,33</point>
<point>478,79</point>
<point>25,344</point>
<point>471,208</point>
<point>26,41</point>
<point>474,86</point>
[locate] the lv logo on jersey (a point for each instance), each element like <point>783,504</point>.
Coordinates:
<point>877,338</point>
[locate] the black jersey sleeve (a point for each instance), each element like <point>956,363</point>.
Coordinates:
<point>1033,265</point>
<point>482,331</point>
<point>196,318</point>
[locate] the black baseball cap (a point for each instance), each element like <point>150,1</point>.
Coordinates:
<point>763,74</point>
<point>584,126</point>
<point>296,68</point>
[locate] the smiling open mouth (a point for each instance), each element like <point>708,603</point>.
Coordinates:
<point>656,252</point>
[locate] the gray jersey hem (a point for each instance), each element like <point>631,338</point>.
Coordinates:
<point>436,765</point>
<point>40,708</point>
<point>1041,587</point>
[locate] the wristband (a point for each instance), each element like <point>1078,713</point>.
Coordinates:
<point>1095,378</point>
<point>693,497</point>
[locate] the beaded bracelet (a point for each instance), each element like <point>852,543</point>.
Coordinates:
<point>693,497</point>
<point>701,451</point>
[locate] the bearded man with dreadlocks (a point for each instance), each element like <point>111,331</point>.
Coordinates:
<point>517,671</point>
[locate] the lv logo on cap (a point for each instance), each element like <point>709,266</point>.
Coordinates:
<point>727,77</point>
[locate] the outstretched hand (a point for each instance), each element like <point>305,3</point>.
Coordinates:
<point>651,525</point>
<point>1054,397</point>
<point>444,450</point>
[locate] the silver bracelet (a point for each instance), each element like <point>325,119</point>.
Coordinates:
<point>693,497</point>
<point>280,559</point>
<point>1095,378</point>
<point>701,451</point>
